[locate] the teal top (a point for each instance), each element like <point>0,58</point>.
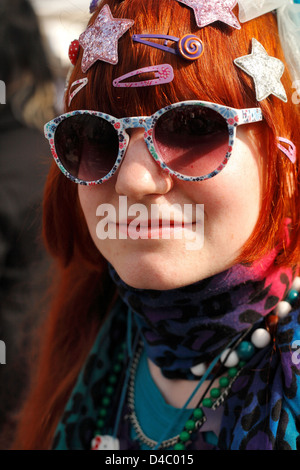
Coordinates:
<point>153,413</point>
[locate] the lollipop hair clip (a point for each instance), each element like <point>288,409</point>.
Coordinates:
<point>163,72</point>
<point>189,47</point>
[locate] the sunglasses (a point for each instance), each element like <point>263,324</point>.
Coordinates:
<point>192,140</point>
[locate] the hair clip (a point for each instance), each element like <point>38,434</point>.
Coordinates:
<point>250,10</point>
<point>94,5</point>
<point>100,40</point>
<point>209,11</point>
<point>74,51</point>
<point>189,47</point>
<point>290,152</point>
<point>82,82</point>
<point>163,72</point>
<point>265,70</point>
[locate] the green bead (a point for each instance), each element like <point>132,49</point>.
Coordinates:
<point>242,364</point>
<point>292,296</point>
<point>198,413</point>
<point>190,425</point>
<point>245,350</point>
<point>120,357</point>
<point>100,423</point>
<point>103,412</point>
<point>207,402</point>
<point>232,371</point>
<point>215,392</point>
<point>112,379</point>
<point>224,382</point>
<point>105,401</point>
<point>179,446</point>
<point>110,390</point>
<point>117,368</point>
<point>184,436</point>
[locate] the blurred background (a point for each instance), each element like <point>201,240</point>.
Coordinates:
<point>61,21</point>
<point>34,42</point>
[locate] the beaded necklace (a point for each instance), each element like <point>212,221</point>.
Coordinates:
<point>233,358</point>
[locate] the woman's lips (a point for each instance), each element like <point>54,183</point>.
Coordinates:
<point>155,229</point>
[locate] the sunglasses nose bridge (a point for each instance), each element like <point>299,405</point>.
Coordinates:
<point>136,122</point>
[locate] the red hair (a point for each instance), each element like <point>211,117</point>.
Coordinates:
<point>83,291</point>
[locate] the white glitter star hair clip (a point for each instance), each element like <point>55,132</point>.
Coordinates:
<point>265,70</point>
<point>209,11</point>
<point>100,40</point>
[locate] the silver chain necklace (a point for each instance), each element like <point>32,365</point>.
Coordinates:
<point>133,418</point>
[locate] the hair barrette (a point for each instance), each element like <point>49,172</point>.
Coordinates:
<point>290,152</point>
<point>94,5</point>
<point>189,47</point>
<point>100,40</point>
<point>82,82</point>
<point>265,70</point>
<point>74,51</point>
<point>163,72</point>
<point>209,11</point>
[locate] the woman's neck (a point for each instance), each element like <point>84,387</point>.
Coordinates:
<point>176,391</point>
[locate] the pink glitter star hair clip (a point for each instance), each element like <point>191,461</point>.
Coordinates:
<point>100,40</point>
<point>209,11</point>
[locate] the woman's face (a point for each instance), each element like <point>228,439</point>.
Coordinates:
<point>231,202</point>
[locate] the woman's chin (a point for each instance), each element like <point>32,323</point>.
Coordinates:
<point>155,277</point>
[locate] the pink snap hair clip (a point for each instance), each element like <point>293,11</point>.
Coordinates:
<point>164,74</point>
<point>82,82</point>
<point>290,152</point>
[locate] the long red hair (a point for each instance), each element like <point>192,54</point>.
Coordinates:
<point>82,290</point>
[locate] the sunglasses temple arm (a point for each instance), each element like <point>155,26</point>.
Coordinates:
<point>246,116</point>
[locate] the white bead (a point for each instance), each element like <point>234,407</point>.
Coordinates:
<point>283,309</point>
<point>198,369</point>
<point>232,360</point>
<point>296,284</point>
<point>260,338</point>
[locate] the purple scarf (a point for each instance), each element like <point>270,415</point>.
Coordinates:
<point>189,325</point>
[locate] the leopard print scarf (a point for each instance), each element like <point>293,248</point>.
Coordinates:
<point>189,325</point>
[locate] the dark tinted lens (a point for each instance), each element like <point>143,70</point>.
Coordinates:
<point>192,140</point>
<point>87,146</point>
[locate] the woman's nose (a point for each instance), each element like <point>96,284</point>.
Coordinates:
<point>139,175</point>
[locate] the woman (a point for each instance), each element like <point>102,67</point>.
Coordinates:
<point>171,346</point>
